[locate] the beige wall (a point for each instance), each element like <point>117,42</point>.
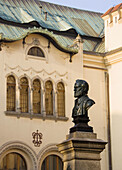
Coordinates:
<point>95,76</point>
<point>56,67</point>
<point>115,71</point>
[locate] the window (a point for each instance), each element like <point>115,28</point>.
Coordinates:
<point>49,98</point>
<point>36,51</point>
<point>52,162</point>
<point>11,93</point>
<point>24,95</point>
<point>36,96</point>
<point>115,19</point>
<point>31,103</point>
<point>60,99</point>
<point>13,161</point>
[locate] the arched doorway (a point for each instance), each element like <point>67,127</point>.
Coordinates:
<point>52,162</point>
<point>13,161</point>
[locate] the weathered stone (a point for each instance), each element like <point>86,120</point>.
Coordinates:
<point>81,150</point>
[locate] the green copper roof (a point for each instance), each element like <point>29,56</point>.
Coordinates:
<point>10,33</point>
<point>60,18</point>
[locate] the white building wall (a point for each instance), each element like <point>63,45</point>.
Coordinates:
<point>116,113</point>
<point>113,31</point>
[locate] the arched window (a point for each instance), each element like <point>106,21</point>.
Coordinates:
<point>36,51</point>
<point>13,161</point>
<point>24,95</point>
<point>52,162</point>
<point>11,93</point>
<point>36,96</point>
<point>49,98</point>
<point>60,99</point>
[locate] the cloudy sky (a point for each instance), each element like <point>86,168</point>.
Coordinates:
<point>92,5</point>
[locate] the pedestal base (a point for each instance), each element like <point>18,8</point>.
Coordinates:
<point>81,124</point>
<point>81,150</point>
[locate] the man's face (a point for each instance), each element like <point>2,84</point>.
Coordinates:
<point>78,89</point>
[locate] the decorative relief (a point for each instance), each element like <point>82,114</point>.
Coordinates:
<point>36,41</point>
<point>37,137</point>
<point>31,71</point>
<point>22,147</point>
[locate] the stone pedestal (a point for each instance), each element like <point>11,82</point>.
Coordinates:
<point>81,151</point>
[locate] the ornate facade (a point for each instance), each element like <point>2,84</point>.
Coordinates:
<point>44,48</point>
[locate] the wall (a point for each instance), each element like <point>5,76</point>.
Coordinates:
<point>113,31</point>
<point>94,73</point>
<point>56,67</point>
<point>115,71</point>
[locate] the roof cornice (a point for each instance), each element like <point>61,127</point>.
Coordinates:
<point>43,32</point>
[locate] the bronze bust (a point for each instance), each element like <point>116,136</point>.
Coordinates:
<point>81,107</point>
<point>83,102</point>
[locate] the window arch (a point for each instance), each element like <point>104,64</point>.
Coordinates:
<point>36,96</point>
<point>24,95</point>
<point>11,93</point>
<point>61,99</point>
<point>52,162</point>
<point>49,97</point>
<point>36,51</point>
<point>13,161</point>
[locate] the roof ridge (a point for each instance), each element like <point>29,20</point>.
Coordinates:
<point>112,9</point>
<point>71,7</point>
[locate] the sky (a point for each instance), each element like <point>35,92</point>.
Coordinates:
<point>91,5</point>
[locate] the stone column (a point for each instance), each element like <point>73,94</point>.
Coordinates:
<point>81,151</point>
<point>18,97</point>
<point>43,101</point>
<point>31,101</point>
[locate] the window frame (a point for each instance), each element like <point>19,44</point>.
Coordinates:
<point>52,97</point>
<point>13,98</point>
<point>27,102</point>
<point>37,49</point>
<point>40,100</point>
<point>59,98</point>
<point>36,57</point>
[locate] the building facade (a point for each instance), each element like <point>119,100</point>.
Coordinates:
<point>44,48</point>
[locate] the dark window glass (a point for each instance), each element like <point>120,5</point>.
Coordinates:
<point>24,95</point>
<point>36,51</point>
<point>61,99</point>
<point>49,98</point>
<point>11,93</point>
<point>52,162</point>
<point>36,96</point>
<point>13,161</point>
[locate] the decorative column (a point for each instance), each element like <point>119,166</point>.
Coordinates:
<point>81,149</point>
<point>31,100</point>
<point>43,102</point>
<point>55,102</point>
<point>18,97</point>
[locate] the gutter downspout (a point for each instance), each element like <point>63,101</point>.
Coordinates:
<point>108,122</point>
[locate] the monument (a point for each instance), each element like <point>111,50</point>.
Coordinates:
<point>82,105</point>
<point>81,149</point>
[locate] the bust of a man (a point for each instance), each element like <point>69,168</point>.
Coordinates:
<point>82,102</point>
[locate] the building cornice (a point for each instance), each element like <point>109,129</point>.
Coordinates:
<point>101,60</point>
<point>93,60</point>
<point>113,56</point>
